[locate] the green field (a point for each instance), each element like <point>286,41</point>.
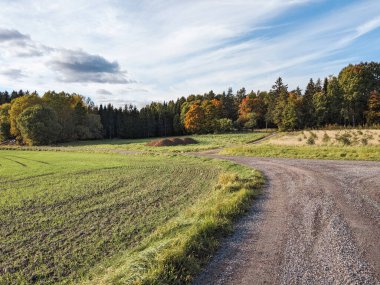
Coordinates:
<point>120,212</point>
<point>206,142</point>
<point>68,217</point>
<point>326,145</point>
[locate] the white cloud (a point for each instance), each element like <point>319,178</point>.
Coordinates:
<point>174,48</point>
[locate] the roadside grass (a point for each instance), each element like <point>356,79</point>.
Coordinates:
<point>311,151</point>
<point>69,217</point>
<point>347,144</point>
<point>176,252</point>
<point>351,137</point>
<point>205,142</point>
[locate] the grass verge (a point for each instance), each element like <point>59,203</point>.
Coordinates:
<point>176,252</point>
<point>312,152</point>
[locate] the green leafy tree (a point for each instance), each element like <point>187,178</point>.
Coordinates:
<point>334,102</point>
<point>280,108</point>
<point>62,103</point>
<point>5,126</point>
<point>357,82</point>
<point>38,125</point>
<point>320,103</point>
<point>307,110</point>
<point>224,125</point>
<point>272,100</point>
<point>18,105</point>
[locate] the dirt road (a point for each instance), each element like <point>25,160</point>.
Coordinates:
<point>318,222</point>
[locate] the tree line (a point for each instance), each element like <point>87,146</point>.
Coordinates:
<point>350,99</point>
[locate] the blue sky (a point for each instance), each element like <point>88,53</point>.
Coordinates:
<point>136,52</point>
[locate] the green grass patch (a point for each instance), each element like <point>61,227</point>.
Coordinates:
<point>312,151</point>
<point>205,142</point>
<point>69,217</point>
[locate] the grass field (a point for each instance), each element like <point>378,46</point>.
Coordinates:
<point>321,144</point>
<point>313,152</point>
<point>348,137</point>
<point>206,142</point>
<point>97,218</point>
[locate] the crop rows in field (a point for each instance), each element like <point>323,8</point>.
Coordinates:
<point>60,214</point>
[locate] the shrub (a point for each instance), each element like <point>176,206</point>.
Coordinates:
<point>224,125</point>
<point>364,141</point>
<point>326,138</point>
<point>310,140</point>
<point>344,139</point>
<point>314,135</point>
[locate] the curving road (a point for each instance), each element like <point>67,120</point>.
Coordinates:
<point>318,222</point>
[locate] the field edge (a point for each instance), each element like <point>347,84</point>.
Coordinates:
<point>176,253</point>
<point>365,153</point>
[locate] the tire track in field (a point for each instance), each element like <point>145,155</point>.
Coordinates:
<point>15,161</point>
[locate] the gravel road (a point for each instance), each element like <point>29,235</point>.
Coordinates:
<point>317,222</point>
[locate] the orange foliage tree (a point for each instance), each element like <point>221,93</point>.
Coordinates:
<point>194,119</point>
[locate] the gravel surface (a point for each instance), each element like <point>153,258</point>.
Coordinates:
<point>318,222</point>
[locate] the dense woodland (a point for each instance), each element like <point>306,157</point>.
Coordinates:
<point>350,99</point>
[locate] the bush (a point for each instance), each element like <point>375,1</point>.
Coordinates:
<point>364,141</point>
<point>310,140</point>
<point>314,135</point>
<point>345,139</point>
<point>38,125</point>
<point>326,138</point>
<point>224,125</point>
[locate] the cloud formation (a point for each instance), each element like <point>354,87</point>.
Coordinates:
<point>13,73</point>
<point>176,48</point>
<point>79,66</point>
<point>12,35</point>
<point>15,43</point>
<point>103,92</point>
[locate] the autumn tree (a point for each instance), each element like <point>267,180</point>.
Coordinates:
<point>194,119</point>
<point>373,113</point>
<point>247,116</point>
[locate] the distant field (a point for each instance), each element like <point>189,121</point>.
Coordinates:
<point>206,142</point>
<point>68,217</point>
<point>353,137</point>
<point>321,144</point>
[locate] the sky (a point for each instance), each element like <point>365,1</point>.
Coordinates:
<point>135,52</point>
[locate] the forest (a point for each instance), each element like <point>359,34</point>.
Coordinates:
<point>350,99</point>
